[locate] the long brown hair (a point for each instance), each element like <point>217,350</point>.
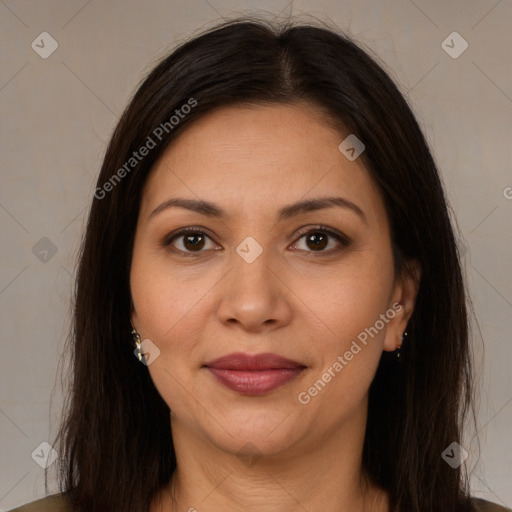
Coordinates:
<point>115,440</point>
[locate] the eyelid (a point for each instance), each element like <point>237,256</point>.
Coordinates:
<point>320,227</point>
<point>169,239</point>
<point>341,238</point>
<point>183,231</point>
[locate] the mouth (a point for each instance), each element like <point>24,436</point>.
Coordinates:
<point>254,374</point>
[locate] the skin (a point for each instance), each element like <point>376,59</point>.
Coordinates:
<point>294,300</point>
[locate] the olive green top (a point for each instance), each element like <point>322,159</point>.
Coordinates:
<point>53,503</point>
<point>56,503</point>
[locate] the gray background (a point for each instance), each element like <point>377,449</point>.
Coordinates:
<point>58,114</point>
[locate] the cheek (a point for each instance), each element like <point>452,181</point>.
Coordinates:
<point>172,314</point>
<point>352,297</point>
<point>350,344</point>
<point>348,354</point>
<point>163,298</point>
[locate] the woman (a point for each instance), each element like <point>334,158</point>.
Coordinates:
<point>267,229</point>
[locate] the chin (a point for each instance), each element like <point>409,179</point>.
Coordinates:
<point>256,434</point>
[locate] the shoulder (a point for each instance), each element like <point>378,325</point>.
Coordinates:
<point>487,506</point>
<point>53,503</point>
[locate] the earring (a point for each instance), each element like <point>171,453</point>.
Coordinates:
<point>136,340</point>
<point>400,346</point>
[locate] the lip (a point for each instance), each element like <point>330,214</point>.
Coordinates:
<point>254,374</point>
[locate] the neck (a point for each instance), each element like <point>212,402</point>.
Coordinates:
<point>327,476</point>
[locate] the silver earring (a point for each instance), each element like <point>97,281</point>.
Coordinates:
<point>136,340</point>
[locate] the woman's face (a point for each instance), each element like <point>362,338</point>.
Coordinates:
<point>249,279</point>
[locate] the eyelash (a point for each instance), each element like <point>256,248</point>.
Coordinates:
<point>343,240</point>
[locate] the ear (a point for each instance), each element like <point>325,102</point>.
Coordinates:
<point>403,299</point>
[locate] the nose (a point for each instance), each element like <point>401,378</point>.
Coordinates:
<point>254,296</point>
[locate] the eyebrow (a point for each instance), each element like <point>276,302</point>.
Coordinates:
<point>212,210</point>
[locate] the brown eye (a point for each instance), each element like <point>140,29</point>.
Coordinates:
<point>193,242</point>
<point>317,240</point>
<point>189,241</point>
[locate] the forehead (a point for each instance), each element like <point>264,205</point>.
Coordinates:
<point>256,158</point>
